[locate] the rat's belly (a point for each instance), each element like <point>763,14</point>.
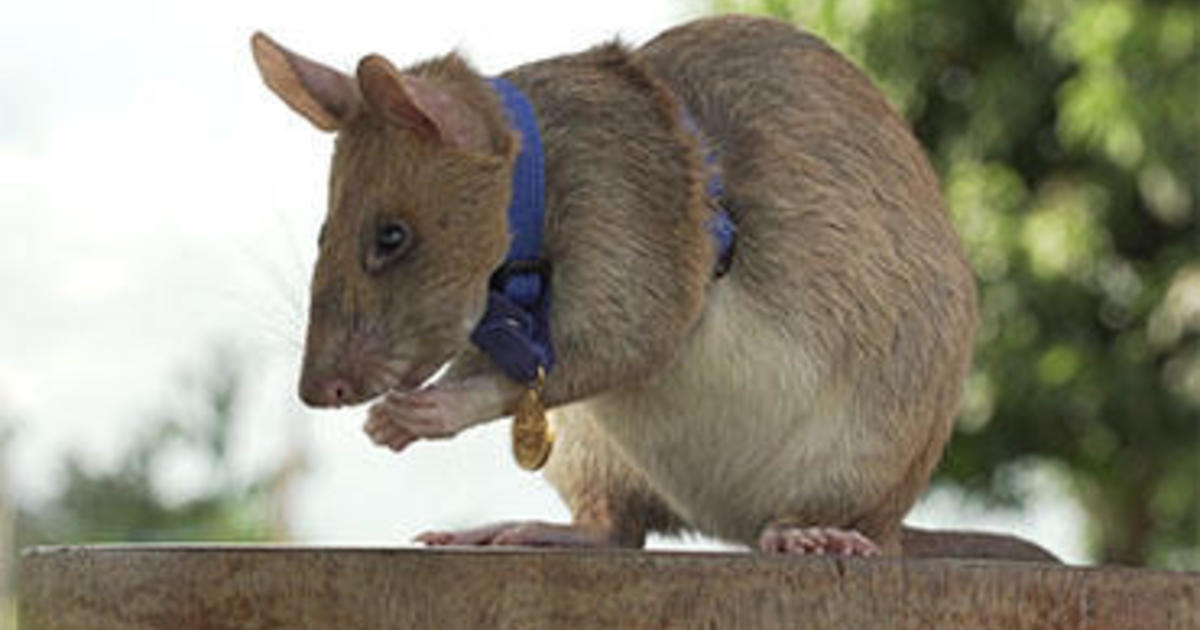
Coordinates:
<point>746,426</point>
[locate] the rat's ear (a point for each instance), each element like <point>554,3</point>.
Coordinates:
<point>422,106</point>
<point>326,97</point>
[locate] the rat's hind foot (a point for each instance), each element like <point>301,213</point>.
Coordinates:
<point>521,534</point>
<point>782,537</point>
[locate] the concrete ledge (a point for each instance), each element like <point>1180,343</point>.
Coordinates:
<point>136,587</point>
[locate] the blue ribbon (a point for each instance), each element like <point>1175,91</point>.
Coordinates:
<point>719,225</point>
<point>515,329</point>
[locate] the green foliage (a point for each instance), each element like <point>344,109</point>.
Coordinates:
<point>126,503</point>
<point>1067,136</point>
<point>8,607</point>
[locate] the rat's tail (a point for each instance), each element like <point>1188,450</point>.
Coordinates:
<point>924,543</point>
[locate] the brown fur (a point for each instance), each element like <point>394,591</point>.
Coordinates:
<point>919,543</point>
<point>816,383</point>
<point>625,230</point>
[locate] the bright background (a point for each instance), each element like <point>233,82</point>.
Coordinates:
<point>156,200</point>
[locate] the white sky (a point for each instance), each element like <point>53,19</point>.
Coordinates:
<point>155,199</point>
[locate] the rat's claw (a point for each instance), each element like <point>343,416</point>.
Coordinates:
<point>399,441</point>
<point>782,537</point>
<point>435,539</point>
<point>386,433</point>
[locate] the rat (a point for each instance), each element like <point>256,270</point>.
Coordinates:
<point>796,401</point>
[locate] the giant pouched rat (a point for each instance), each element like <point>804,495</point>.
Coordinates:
<point>795,402</point>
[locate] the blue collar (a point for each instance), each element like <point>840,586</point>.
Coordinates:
<point>515,329</point>
<point>719,224</point>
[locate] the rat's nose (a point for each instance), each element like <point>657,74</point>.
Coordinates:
<point>331,392</point>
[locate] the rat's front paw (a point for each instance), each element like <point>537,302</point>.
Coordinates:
<point>384,432</point>
<point>401,418</point>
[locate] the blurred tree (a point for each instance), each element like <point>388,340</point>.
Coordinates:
<point>1067,135</point>
<point>8,613</point>
<point>128,504</point>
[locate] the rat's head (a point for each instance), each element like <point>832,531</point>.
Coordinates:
<point>420,182</point>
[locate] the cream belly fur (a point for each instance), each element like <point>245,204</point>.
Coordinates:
<point>730,449</point>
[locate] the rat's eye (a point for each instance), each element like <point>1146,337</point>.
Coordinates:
<point>391,237</point>
<point>391,240</point>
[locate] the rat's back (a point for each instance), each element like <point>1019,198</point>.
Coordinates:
<point>820,173</point>
<point>845,323</point>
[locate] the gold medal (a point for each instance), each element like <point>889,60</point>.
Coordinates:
<point>532,436</point>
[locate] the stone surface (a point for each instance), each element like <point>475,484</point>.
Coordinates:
<point>213,588</point>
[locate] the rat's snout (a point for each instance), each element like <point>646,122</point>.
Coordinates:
<point>333,391</point>
<point>332,372</point>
